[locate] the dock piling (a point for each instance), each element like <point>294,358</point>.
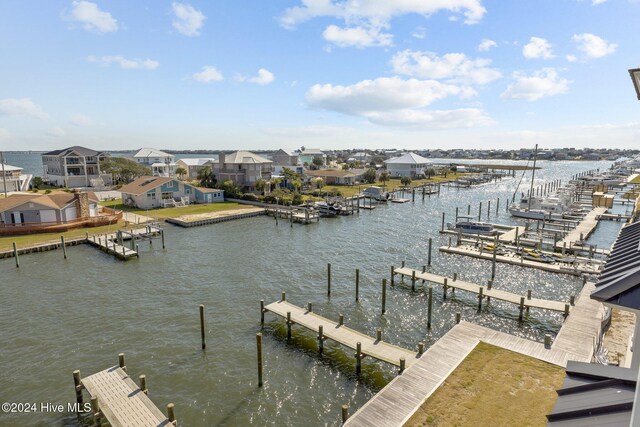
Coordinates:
<point>521,308</point>
<point>202,334</point>
<point>340,319</point>
<point>170,414</point>
<point>63,246</point>
<point>259,349</point>
<point>457,318</point>
<point>413,281</point>
<point>143,383</point>
<point>320,339</point>
<point>429,306</point>
<point>402,365</point>
<point>358,357</point>
<point>288,325</point>
<point>77,382</point>
<point>393,272</point>
<point>420,347</point>
<point>345,413</point>
<point>95,410</point>
<point>284,296</point>
<point>357,284</point>
<point>378,334</point>
<point>547,341</point>
<point>429,253</point>
<point>384,295</point>
<point>261,313</point>
<point>309,307</point>
<point>442,226</point>
<point>329,279</point>
<point>480,298</point>
<point>15,255</point>
<point>121,362</point>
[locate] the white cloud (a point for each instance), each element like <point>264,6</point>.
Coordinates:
<point>21,107</point>
<point>597,2</point>
<point>537,48</point>
<point>56,132</point>
<point>312,131</point>
<point>571,58</point>
<point>593,46</point>
<point>208,74</point>
<point>81,120</point>
<point>379,10</point>
<point>264,77</point>
<point>393,101</point>
<point>419,33</point>
<point>539,84</point>
<point>92,18</point>
<point>187,20</point>
<point>124,63</point>
<point>360,36</point>
<point>4,134</point>
<point>455,67</point>
<point>486,44</point>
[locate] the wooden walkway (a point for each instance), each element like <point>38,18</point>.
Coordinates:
<point>108,244</point>
<point>491,293</point>
<point>400,399</point>
<point>121,401</point>
<point>584,228</point>
<point>348,337</point>
<point>514,259</point>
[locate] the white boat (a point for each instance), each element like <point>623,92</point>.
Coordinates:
<point>329,208</point>
<point>377,193</point>
<point>472,227</point>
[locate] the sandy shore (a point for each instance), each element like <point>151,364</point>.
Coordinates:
<point>220,214</point>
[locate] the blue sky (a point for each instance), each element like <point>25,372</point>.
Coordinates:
<point>259,74</point>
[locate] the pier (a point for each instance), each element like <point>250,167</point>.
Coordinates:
<point>336,331</point>
<point>113,243</point>
<point>118,399</point>
<point>523,301</point>
<point>197,220</point>
<point>583,229</point>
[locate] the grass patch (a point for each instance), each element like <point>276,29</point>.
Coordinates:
<point>493,387</point>
<point>163,213</point>
<point>36,239</point>
<point>635,180</point>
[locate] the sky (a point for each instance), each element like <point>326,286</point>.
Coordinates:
<point>257,74</point>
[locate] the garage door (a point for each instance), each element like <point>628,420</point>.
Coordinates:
<point>48,215</point>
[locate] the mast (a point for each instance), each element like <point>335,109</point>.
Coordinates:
<point>533,175</point>
<point>4,177</point>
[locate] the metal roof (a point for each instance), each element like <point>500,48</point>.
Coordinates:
<point>619,282</point>
<point>80,151</point>
<point>409,159</point>
<point>594,395</point>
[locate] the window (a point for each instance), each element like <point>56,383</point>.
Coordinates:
<point>151,195</point>
<point>187,190</point>
<point>170,184</point>
<point>167,195</point>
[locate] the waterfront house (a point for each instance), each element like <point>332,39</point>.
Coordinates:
<point>243,168</point>
<point>148,192</point>
<point>307,156</point>
<point>12,179</point>
<point>193,166</point>
<point>39,213</point>
<point>161,163</point>
<point>410,164</point>
<point>338,177</point>
<point>282,158</point>
<point>75,167</point>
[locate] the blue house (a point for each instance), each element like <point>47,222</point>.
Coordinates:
<point>149,192</point>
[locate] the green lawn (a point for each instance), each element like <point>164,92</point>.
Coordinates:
<point>493,387</point>
<point>635,180</point>
<point>163,213</point>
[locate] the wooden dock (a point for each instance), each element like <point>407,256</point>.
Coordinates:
<point>402,397</point>
<point>521,300</point>
<point>108,244</point>
<point>215,217</point>
<point>377,349</point>
<point>514,259</point>
<point>583,229</point>
<point>121,401</point>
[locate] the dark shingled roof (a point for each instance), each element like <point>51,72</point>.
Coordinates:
<point>594,395</point>
<point>81,151</point>
<point>619,282</point>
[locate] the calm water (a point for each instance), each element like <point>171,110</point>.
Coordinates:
<point>59,315</point>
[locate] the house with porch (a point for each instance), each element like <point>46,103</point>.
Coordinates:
<point>309,154</point>
<point>282,158</point>
<point>193,166</point>
<point>161,163</point>
<point>148,192</point>
<point>338,177</point>
<point>12,179</point>
<point>75,167</point>
<point>243,168</point>
<point>410,164</point>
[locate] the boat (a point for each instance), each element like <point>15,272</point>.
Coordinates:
<point>329,208</point>
<point>472,227</point>
<point>377,193</point>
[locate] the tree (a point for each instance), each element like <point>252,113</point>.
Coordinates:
<point>370,176</point>
<point>275,183</point>
<point>207,178</point>
<point>230,189</point>
<point>318,161</point>
<point>384,177</point>
<point>181,172</point>
<point>261,184</point>
<point>319,183</point>
<point>405,180</point>
<point>123,170</point>
<point>345,167</point>
<point>429,172</point>
<point>36,182</point>
<point>290,174</point>
<point>296,184</point>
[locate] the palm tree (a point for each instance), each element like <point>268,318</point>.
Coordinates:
<point>261,184</point>
<point>181,172</point>
<point>405,180</point>
<point>275,183</point>
<point>384,177</point>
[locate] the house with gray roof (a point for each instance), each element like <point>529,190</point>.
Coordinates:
<point>75,167</point>
<point>410,164</point>
<point>243,168</point>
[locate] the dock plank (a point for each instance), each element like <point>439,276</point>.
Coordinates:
<point>121,401</point>
<point>348,337</point>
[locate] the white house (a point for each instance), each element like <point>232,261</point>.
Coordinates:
<point>148,192</point>
<point>161,163</point>
<point>193,166</point>
<point>75,167</point>
<point>12,179</point>
<point>410,164</point>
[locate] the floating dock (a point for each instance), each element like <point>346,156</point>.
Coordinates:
<point>108,244</point>
<point>583,229</point>
<point>523,301</point>
<point>369,346</point>
<point>515,259</point>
